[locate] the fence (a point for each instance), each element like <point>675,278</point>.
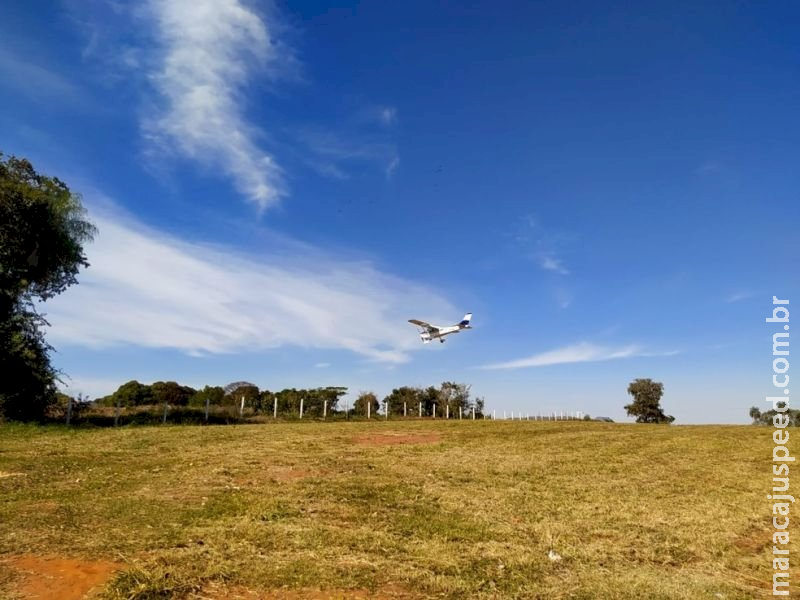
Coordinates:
<point>87,413</point>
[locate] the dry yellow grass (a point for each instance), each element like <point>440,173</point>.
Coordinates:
<point>452,510</point>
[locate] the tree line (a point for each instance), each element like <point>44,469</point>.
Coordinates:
<point>449,397</point>
<point>766,417</point>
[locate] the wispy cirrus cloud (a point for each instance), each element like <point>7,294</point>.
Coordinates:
<point>544,247</point>
<point>207,51</point>
<point>38,82</point>
<point>335,153</point>
<point>576,353</point>
<point>145,288</point>
<point>550,263</point>
<point>739,296</point>
<point>387,115</point>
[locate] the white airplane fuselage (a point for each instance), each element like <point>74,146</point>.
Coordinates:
<point>428,332</point>
<point>427,336</point>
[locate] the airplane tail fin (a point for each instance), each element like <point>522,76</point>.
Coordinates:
<point>465,321</point>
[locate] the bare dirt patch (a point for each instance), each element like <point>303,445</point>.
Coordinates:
<point>43,578</point>
<point>388,439</point>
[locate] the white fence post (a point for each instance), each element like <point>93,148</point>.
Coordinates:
<point>387,411</point>
<point>301,407</point>
<point>473,413</point>
<point>324,409</point>
<point>460,411</point>
<point>420,409</point>
<point>369,408</point>
<point>241,407</point>
<point>447,411</point>
<point>275,409</point>
<point>434,410</point>
<point>405,405</point>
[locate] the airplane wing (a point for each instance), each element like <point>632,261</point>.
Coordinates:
<point>419,323</point>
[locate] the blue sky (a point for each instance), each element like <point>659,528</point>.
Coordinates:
<point>612,190</point>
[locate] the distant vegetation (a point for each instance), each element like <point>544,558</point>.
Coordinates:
<point>765,418</point>
<point>135,402</point>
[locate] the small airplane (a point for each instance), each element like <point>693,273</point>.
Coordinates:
<point>428,332</point>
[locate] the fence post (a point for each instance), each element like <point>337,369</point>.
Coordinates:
<point>208,402</point>
<point>301,407</point>
<point>241,408</point>
<point>164,420</point>
<point>420,409</point>
<point>325,409</point>
<point>275,408</point>
<point>434,410</point>
<point>459,413</point>
<point>447,411</point>
<point>369,409</point>
<point>405,405</point>
<point>387,410</point>
<point>69,409</point>
<point>473,413</point>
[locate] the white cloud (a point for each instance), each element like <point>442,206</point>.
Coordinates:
<point>333,153</point>
<point>739,296</point>
<point>388,115</point>
<point>145,288</point>
<point>551,263</point>
<point>542,246</point>
<point>392,167</point>
<point>563,297</point>
<point>322,365</point>
<point>38,83</point>
<point>576,353</point>
<point>208,52</point>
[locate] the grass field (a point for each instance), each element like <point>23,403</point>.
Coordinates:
<point>390,510</point>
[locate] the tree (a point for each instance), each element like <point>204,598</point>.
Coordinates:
<point>455,395</point>
<point>247,391</point>
<point>131,393</point>
<point>43,227</point>
<point>366,399</point>
<point>403,395</point>
<point>646,402</point>
<point>766,417</point>
<point>214,395</point>
<point>172,393</point>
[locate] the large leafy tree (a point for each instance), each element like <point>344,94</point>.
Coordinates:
<point>130,393</point>
<point>408,396</point>
<point>43,227</point>
<point>172,393</point>
<point>366,399</point>
<point>646,405</point>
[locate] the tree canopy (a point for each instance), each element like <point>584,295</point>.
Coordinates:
<point>646,405</point>
<point>43,227</point>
